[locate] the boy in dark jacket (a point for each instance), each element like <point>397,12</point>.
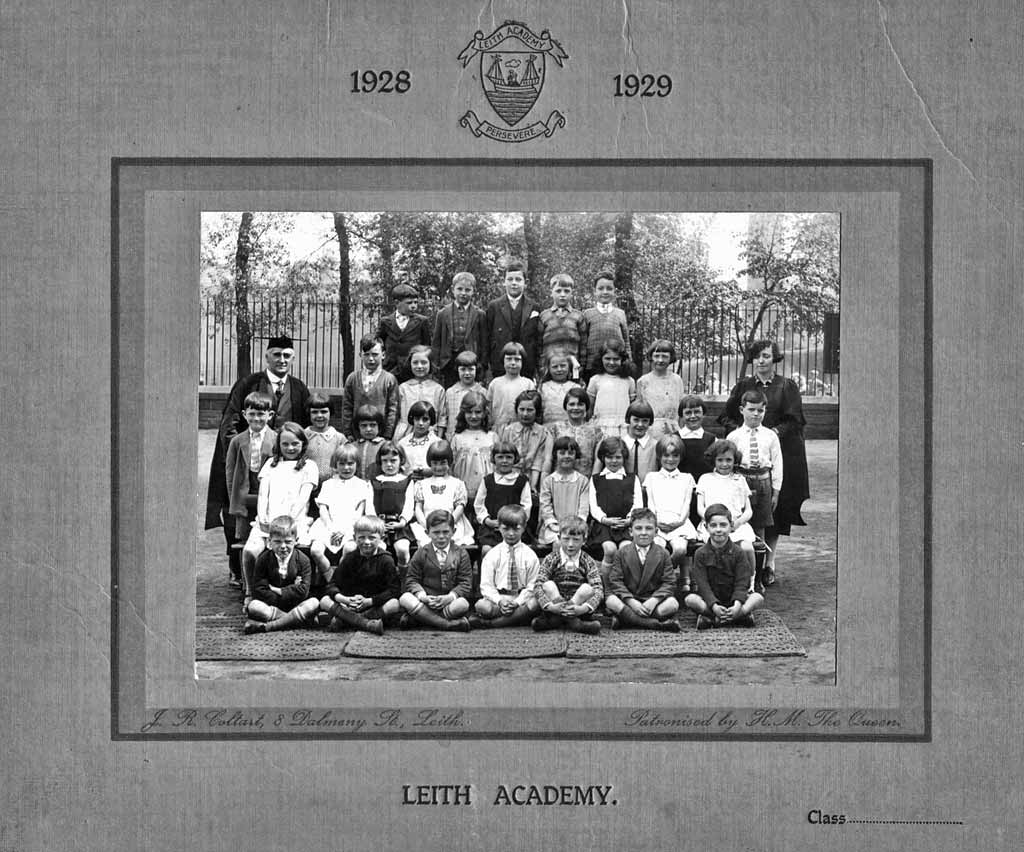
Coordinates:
<point>281,578</point>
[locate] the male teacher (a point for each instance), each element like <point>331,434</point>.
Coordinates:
<point>290,397</point>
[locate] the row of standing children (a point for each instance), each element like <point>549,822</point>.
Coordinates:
<point>512,316</point>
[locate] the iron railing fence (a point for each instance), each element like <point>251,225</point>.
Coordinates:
<point>707,340</point>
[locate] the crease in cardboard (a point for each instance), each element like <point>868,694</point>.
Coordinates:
<point>630,49</point>
<point>487,7</point>
<point>187,659</point>
<point>884,18</point>
<point>77,580</point>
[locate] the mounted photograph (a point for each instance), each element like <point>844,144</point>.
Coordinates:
<point>628,422</point>
<point>521,449</point>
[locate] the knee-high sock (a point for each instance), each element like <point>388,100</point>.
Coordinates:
<point>288,620</point>
<point>425,615</point>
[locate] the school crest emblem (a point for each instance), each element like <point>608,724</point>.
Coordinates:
<point>513,67</point>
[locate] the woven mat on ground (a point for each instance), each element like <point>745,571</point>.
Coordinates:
<point>516,643</point>
<point>768,638</point>
<point>220,637</point>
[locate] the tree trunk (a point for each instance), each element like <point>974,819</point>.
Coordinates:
<point>625,261</point>
<point>532,237</point>
<point>344,296</point>
<point>243,321</point>
<point>386,235</point>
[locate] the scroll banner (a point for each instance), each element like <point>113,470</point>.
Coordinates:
<point>521,134</point>
<point>512,29</point>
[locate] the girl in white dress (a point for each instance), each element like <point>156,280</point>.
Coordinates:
<point>612,391</point>
<point>669,493</point>
<point>724,485</point>
<point>441,490</point>
<point>286,481</point>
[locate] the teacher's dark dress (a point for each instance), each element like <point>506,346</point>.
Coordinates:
<point>785,414</point>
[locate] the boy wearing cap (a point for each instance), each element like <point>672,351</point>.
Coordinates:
<point>402,330</point>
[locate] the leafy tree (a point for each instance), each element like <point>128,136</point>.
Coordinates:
<point>793,260</point>
<point>427,249</point>
<point>682,295</point>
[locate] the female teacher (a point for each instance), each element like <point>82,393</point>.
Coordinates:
<point>784,414</point>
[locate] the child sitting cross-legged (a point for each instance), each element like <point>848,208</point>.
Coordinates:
<point>285,483</point>
<point>568,587</point>
<point>507,575</point>
<point>281,580</point>
<point>722,575</point>
<point>439,579</point>
<point>364,589</point>
<point>642,580</point>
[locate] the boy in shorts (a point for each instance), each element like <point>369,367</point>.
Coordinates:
<point>642,581</point>
<point>568,587</point>
<point>762,456</point>
<point>363,592</point>
<point>280,582</point>
<point>721,574</point>
<point>507,575</point>
<point>439,579</point>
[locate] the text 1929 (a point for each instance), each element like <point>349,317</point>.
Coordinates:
<point>646,86</point>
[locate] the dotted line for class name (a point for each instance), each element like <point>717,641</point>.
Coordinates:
<point>904,822</point>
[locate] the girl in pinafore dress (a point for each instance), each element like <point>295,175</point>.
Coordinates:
<point>660,389</point>
<point>612,391</point>
<point>613,495</point>
<point>506,486</point>
<point>392,501</point>
<point>471,443</point>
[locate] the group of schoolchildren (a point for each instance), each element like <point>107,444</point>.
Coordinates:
<point>433,506</point>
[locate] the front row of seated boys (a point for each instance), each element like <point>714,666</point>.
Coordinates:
<point>564,591</point>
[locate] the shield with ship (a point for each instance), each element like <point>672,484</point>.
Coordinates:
<point>512,79</point>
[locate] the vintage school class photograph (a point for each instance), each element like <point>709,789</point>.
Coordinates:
<point>593,447</point>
